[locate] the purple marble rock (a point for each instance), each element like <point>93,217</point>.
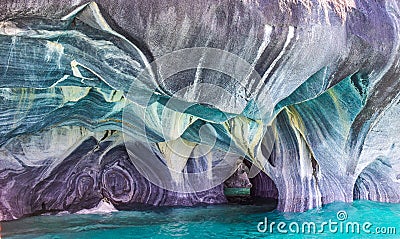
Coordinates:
<point>92,172</point>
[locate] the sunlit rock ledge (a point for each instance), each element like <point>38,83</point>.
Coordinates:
<point>328,90</point>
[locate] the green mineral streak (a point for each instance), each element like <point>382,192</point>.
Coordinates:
<point>236,191</point>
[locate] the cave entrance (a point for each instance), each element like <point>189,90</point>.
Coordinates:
<point>260,190</point>
<point>237,188</point>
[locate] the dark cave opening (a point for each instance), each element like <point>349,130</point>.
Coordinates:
<point>259,190</point>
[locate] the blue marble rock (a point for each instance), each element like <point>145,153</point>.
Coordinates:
<point>318,124</point>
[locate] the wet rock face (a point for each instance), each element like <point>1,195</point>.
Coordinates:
<point>92,172</point>
<point>240,178</point>
<point>72,89</point>
<point>263,187</point>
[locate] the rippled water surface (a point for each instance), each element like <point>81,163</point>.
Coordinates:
<point>221,221</point>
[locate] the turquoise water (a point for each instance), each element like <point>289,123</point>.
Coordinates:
<point>220,221</point>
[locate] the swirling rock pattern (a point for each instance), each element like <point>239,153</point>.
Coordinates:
<point>328,89</point>
<point>97,168</point>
